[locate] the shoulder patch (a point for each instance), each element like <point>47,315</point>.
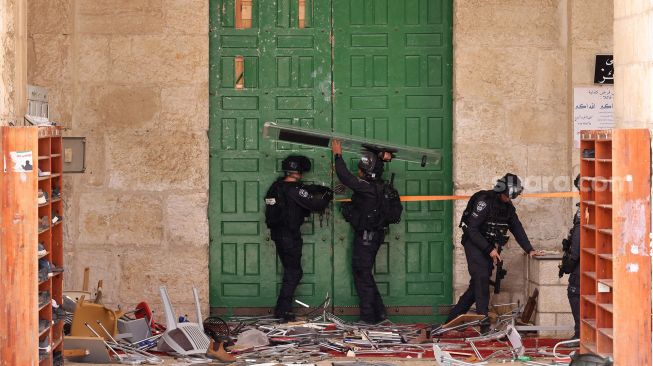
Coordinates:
<point>480,206</point>
<point>303,192</point>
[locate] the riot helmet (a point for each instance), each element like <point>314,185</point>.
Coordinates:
<point>510,185</point>
<point>296,163</point>
<point>370,165</point>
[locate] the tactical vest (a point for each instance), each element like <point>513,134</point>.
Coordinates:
<point>498,218</point>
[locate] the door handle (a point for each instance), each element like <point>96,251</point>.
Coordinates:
<point>397,236</point>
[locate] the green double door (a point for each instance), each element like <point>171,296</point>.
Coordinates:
<point>374,68</point>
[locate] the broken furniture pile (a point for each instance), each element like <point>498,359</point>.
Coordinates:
<point>112,337</point>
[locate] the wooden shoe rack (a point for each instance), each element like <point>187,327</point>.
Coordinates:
<point>615,262</point>
<point>36,148</point>
<point>50,159</point>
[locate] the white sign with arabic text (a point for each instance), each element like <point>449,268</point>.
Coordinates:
<point>593,109</point>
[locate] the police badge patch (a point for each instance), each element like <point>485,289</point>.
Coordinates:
<point>303,193</point>
<point>480,206</point>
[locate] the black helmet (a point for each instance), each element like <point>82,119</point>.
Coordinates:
<point>510,185</point>
<point>577,182</point>
<point>296,163</point>
<point>370,165</point>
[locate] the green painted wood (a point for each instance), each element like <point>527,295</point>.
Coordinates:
<point>287,74</point>
<point>392,78</point>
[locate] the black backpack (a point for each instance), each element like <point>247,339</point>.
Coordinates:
<point>388,212</point>
<point>275,204</point>
<point>391,207</point>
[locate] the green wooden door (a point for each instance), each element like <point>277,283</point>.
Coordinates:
<point>390,79</point>
<point>286,76</point>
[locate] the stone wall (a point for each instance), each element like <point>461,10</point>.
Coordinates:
<point>13,71</point>
<point>510,100</point>
<point>515,65</point>
<point>132,77</point>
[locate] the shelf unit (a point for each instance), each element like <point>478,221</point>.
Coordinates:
<point>615,264</point>
<point>51,236</point>
<point>25,150</point>
<point>18,250</point>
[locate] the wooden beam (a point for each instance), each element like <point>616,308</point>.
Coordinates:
<point>631,266</point>
<point>18,251</point>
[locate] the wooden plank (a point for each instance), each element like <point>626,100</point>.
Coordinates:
<point>243,13</point>
<point>18,251</point>
<point>631,223</point>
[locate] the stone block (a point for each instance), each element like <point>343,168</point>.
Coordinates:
<point>548,164</point>
<point>160,59</point>
<point>186,220</point>
<point>185,107</point>
<point>643,38</point>
<point>176,268</point>
<point>551,77</point>
<point>533,271</point>
<point>543,222</point>
<point>591,23</point>
<point>95,174</point>
<point>552,299</point>
<point>583,60</point>
<point>565,319</point>
<point>119,16</point>
<point>545,319</point>
<point>178,12</point>
<point>49,59</point>
<point>507,23</point>
<point>60,103</point>
<point>158,161</point>
<point>93,61</point>
<point>492,163</point>
<point>546,272</point>
<point>117,107</point>
<point>50,16</point>
<point>637,94</point>
<point>104,264</point>
<point>486,81</point>
<point>479,122</point>
<point>531,123</point>
<point>117,218</point>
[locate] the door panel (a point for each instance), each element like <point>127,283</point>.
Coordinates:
<point>392,82</point>
<point>286,78</point>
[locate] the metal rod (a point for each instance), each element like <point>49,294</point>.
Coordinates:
<point>150,357</point>
<point>103,341</point>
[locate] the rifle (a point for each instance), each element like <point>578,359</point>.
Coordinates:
<point>497,236</point>
<point>566,249</point>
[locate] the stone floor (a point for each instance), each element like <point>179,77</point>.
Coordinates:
<point>169,361</point>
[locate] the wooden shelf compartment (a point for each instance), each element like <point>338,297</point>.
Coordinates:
<point>589,322</point>
<point>603,148</point>
<point>590,251</point>
<point>589,298</point>
<point>608,332</point>
<point>606,307</point>
<point>590,347</point>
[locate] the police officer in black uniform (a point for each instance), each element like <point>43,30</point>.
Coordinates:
<point>571,265</point>
<point>368,235</point>
<point>486,211</point>
<point>288,203</point>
